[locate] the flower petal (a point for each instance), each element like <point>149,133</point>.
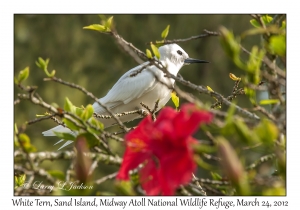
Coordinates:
<point>188,120</point>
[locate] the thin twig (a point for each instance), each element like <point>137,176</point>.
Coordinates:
<point>57,121</point>
<point>260,161</point>
<point>234,94</point>
<point>40,119</point>
<point>117,114</point>
<point>213,190</point>
<point>195,189</point>
<point>122,42</point>
<point>113,136</point>
<point>184,191</point>
<point>274,67</point>
<point>69,155</point>
<point>93,166</point>
<point>211,157</point>
<point>265,112</point>
<point>70,171</point>
<point>206,34</point>
<point>212,182</point>
<point>252,146</point>
<point>103,179</point>
<point>198,185</point>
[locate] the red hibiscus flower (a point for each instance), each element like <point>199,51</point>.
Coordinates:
<point>164,146</point>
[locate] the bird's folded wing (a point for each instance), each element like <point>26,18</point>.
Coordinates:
<point>130,86</point>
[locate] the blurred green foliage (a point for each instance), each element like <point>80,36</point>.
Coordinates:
<point>94,61</point>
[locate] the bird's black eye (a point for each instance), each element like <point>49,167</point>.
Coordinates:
<point>179,52</point>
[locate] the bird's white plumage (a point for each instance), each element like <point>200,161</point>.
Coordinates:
<point>128,88</point>
<point>137,85</point>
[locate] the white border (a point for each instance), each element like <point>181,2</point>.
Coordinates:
<point>8,8</point>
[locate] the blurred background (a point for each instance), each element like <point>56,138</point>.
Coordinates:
<point>95,61</point>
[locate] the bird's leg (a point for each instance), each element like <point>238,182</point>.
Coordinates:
<point>155,109</point>
<point>152,112</point>
<point>143,112</point>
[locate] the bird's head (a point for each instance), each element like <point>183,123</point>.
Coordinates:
<point>175,54</point>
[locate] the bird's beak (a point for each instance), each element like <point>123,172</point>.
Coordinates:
<point>193,60</point>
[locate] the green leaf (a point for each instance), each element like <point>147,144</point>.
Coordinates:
<point>16,80</point>
<point>278,45</point>
<point>57,174</point>
<point>16,129</point>
<point>216,176</point>
<point>96,27</point>
<point>231,46</point>
<point>148,53</point>
<point>51,74</point>
<point>200,149</point>
<point>267,132</point>
<point>102,17</point>
<point>253,70</point>
<point>79,111</point>
<point>266,19</point>
<point>230,114</point>
<point>65,136</point>
<point>99,125</point>
<point>201,163</point>
<point>108,23</point>
<point>155,51</point>
<point>236,128</point>
<point>25,141</point>
<point>175,99</point>
<point>255,23</point>
<point>244,133</point>
<point>269,101</point>
<point>70,124</point>
<point>43,64</point>
<point>19,180</point>
<point>283,26</point>
<point>251,94</point>
<point>159,43</point>
<point>69,107</point>
<point>165,32</point>
<point>124,188</point>
<point>87,113</point>
<point>23,75</point>
<point>24,138</point>
<point>254,62</point>
<point>274,191</point>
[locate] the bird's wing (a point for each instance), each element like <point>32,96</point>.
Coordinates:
<point>130,86</point>
<point>127,88</point>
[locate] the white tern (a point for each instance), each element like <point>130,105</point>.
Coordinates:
<point>139,84</point>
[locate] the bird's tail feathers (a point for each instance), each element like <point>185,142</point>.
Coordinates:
<point>59,128</point>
